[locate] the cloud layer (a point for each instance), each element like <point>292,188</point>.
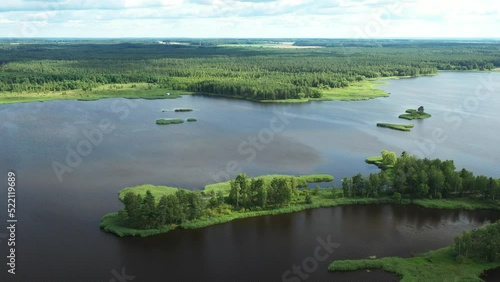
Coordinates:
<point>250,18</point>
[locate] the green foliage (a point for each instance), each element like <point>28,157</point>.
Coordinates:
<point>482,244</point>
<point>439,265</point>
<point>423,178</point>
<point>249,73</point>
<point>308,198</point>
<point>400,127</point>
<point>412,114</point>
<point>191,120</point>
<point>169,121</point>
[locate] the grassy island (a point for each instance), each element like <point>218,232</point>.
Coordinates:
<point>183,110</point>
<point>412,114</point>
<point>215,198</point>
<point>192,120</point>
<point>169,121</point>
<point>400,127</point>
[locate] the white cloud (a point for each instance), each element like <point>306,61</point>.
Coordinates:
<point>250,18</point>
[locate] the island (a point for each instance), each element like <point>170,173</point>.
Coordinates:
<point>169,121</point>
<point>152,209</point>
<point>400,127</point>
<point>412,114</point>
<point>192,120</point>
<point>183,110</point>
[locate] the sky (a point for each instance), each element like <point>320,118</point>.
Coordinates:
<point>251,18</point>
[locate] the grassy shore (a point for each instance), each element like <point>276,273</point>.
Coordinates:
<point>439,265</point>
<point>358,91</point>
<point>324,199</point>
<point>400,127</point>
<point>129,91</point>
<point>169,121</point>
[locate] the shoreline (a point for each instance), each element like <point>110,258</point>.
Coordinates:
<point>111,222</point>
<point>435,265</point>
<point>358,91</point>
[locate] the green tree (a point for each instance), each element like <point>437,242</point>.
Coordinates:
<point>148,211</point>
<point>346,187</point>
<point>389,158</point>
<point>258,185</point>
<point>308,197</point>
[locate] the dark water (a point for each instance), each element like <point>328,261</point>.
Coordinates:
<point>58,235</point>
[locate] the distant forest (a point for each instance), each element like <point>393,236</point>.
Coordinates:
<point>207,66</point>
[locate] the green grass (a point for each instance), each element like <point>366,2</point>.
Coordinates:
<point>192,120</point>
<point>400,127</point>
<point>465,204</point>
<point>412,114</point>
<point>157,191</point>
<point>183,110</point>
<point>439,265</point>
<point>112,223</point>
<point>358,91</point>
<point>169,121</point>
<point>129,91</point>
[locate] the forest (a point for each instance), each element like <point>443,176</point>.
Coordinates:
<point>245,194</point>
<point>210,67</point>
<point>413,178</point>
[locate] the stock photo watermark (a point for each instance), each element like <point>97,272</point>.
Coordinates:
<point>453,119</point>
<point>249,148</point>
<point>91,139</point>
<point>121,276</point>
<point>309,265</point>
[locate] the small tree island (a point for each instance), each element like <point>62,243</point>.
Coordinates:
<point>412,114</point>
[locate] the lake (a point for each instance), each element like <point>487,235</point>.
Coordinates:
<point>120,145</point>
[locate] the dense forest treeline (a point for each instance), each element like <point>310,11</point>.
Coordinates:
<point>245,194</point>
<point>252,73</point>
<point>410,177</point>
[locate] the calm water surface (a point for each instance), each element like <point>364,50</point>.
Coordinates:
<point>58,235</point>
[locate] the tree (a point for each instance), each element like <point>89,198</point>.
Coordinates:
<point>389,158</point>
<point>234,194</point>
<point>148,212</point>
<point>280,192</point>
<point>420,110</point>
<point>161,211</point>
<point>132,209</point>
<point>245,194</point>
<point>308,197</point>
<point>259,187</point>
<point>346,187</point>
<point>374,185</point>
<point>196,205</point>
